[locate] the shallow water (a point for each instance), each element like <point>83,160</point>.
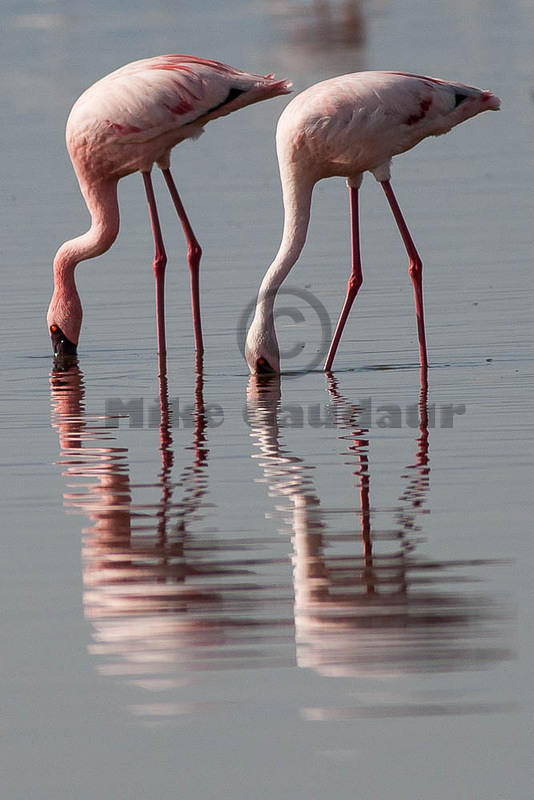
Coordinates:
<point>219,587</point>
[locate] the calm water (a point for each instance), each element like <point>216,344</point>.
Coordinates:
<point>218,587</point>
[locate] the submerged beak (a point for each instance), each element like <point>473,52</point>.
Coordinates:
<point>264,368</point>
<point>63,348</point>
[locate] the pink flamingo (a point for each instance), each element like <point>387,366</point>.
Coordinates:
<point>126,122</point>
<point>345,126</point>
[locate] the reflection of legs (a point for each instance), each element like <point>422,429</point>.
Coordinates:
<point>415,270</point>
<point>194,253</point>
<point>355,280</point>
<point>160,260</point>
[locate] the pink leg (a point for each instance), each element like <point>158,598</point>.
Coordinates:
<point>355,280</point>
<point>194,253</point>
<point>160,260</point>
<point>415,270</point>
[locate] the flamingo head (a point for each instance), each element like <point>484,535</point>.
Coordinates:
<point>261,348</point>
<point>64,320</point>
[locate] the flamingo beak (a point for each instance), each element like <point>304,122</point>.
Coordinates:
<point>264,368</point>
<point>63,348</point>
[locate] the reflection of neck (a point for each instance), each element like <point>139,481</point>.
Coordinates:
<point>108,502</point>
<point>288,476</point>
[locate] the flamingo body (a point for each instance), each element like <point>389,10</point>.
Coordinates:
<point>133,117</point>
<point>346,126</point>
<point>126,122</point>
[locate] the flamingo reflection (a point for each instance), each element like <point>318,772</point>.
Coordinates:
<point>169,598</point>
<point>165,595</point>
<point>384,610</point>
<point>136,565</point>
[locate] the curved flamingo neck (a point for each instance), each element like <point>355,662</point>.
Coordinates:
<point>101,200</point>
<point>65,309</point>
<point>297,194</point>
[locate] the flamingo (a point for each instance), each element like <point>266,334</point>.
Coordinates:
<point>124,123</point>
<point>344,127</point>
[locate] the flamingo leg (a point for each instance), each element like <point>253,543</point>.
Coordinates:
<point>355,280</point>
<point>160,261</point>
<point>194,253</point>
<point>415,269</point>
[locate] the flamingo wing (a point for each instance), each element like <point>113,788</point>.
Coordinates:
<point>148,98</point>
<point>359,121</point>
